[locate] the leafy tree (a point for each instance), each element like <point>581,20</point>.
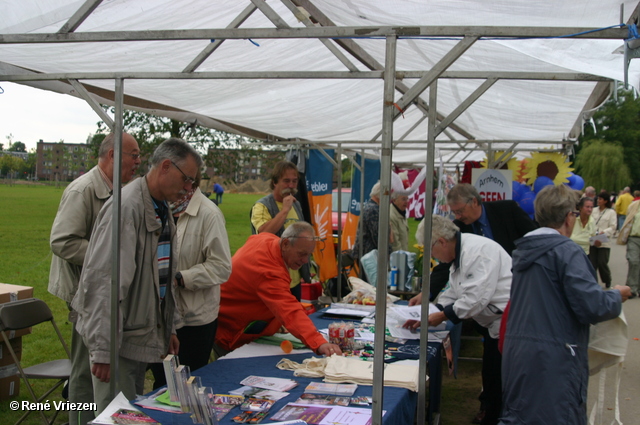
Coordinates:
<point>30,163</point>
<point>1,147</point>
<point>18,147</point>
<point>151,130</point>
<point>617,123</point>
<point>10,164</point>
<point>602,165</point>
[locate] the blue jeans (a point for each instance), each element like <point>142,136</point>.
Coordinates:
<point>621,220</point>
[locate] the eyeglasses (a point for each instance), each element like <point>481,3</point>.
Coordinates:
<point>319,241</point>
<point>575,213</point>
<point>132,155</point>
<point>187,179</point>
<point>459,211</point>
<point>434,244</point>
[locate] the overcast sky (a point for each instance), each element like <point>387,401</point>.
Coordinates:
<point>31,114</point>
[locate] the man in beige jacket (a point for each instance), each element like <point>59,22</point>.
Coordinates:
<point>80,204</point>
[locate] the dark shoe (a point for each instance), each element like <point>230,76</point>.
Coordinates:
<point>633,295</point>
<point>478,418</point>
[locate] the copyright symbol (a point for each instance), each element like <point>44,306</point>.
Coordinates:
<point>14,405</point>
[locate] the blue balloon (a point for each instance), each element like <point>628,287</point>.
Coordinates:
<point>526,202</point>
<point>516,191</point>
<point>571,179</point>
<point>578,183</point>
<point>524,189</point>
<point>541,182</point>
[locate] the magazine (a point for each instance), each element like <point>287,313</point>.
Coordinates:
<point>331,389</point>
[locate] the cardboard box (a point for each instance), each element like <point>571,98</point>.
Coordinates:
<point>5,354</point>
<point>9,387</point>
<point>13,293</point>
<point>311,291</point>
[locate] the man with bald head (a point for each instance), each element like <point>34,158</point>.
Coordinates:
<point>147,269</point>
<point>256,300</point>
<point>80,204</point>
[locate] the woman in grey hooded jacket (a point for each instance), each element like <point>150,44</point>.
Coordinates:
<point>554,299</point>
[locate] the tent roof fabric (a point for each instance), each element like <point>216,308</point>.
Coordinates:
<point>330,110</point>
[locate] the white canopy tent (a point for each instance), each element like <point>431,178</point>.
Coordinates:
<point>316,90</point>
<point>394,78</point>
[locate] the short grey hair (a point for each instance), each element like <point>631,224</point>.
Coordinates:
<point>463,193</point>
<point>396,195</point>
<point>553,203</point>
<point>442,228</point>
<point>375,190</point>
<point>106,145</point>
<point>176,150</point>
<point>298,228</point>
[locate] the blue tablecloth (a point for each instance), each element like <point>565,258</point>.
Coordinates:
<point>225,375</point>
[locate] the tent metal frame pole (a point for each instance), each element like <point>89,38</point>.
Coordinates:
<point>93,104</point>
<point>339,249</point>
<point>305,75</point>
<point>328,43</point>
<point>383,228</point>
<point>115,237</point>
<point>331,32</point>
<point>208,51</point>
<point>80,16</point>
<point>360,227</point>
<point>426,259</point>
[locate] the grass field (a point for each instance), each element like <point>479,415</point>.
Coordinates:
<point>27,212</point>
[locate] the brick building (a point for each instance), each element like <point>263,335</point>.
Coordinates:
<point>62,161</point>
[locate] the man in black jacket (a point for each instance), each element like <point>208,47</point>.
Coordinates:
<point>501,221</point>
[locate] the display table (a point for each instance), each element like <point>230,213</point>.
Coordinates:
<point>226,373</point>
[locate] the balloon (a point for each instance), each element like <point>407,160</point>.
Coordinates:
<point>526,202</point>
<point>524,189</point>
<point>578,183</point>
<point>571,179</point>
<point>516,191</point>
<point>541,182</point>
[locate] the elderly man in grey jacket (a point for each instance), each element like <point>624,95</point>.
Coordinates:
<point>148,266</point>
<point>79,207</point>
<point>479,286</point>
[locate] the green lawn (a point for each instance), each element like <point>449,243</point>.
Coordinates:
<point>27,213</point>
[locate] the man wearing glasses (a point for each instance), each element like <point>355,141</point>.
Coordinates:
<point>147,267</point>
<point>256,300</point>
<point>501,221</point>
<point>479,285</point>
<point>79,207</point>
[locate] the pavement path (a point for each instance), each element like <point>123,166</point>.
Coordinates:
<point>630,382</point>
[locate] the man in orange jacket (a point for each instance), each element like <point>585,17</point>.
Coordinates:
<point>256,300</point>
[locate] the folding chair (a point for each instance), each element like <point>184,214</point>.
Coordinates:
<point>22,314</point>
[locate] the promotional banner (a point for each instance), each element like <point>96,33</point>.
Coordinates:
<point>319,184</point>
<point>371,176</point>
<point>493,185</point>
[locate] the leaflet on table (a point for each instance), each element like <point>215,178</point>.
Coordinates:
<point>325,415</point>
<point>323,399</point>
<point>330,388</point>
<point>259,392</point>
<point>397,331</point>
<point>413,312</point>
<point>159,401</point>
<point>119,402</point>
<point>132,417</point>
<point>350,310</point>
<point>268,383</point>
